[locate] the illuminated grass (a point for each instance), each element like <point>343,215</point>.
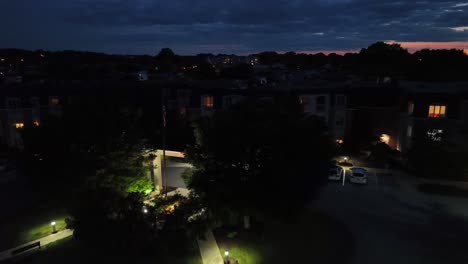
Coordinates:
<point>72,251</point>
<point>245,254</point>
<point>311,236</point>
<point>41,229</point>
<point>29,226</point>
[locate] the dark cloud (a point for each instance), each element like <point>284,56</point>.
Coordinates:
<point>242,26</point>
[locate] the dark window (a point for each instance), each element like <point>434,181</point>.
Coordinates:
<point>339,122</point>
<point>305,102</point>
<point>340,100</point>
<point>320,104</point>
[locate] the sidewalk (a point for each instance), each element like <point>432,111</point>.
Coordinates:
<point>4,255</point>
<point>209,250</point>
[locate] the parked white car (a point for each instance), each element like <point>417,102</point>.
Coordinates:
<point>358,175</point>
<point>335,173</point>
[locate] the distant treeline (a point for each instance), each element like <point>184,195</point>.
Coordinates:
<point>378,60</point>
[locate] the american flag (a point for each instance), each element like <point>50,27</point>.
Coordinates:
<point>164,115</point>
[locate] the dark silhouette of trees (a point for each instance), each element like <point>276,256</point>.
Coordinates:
<point>259,159</point>
<point>439,65</point>
<point>379,60</point>
<point>384,60</point>
<point>96,142</point>
<point>269,57</point>
<point>165,53</point>
<point>438,160</point>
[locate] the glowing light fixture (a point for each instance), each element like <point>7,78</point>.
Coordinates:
<point>54,227</point>
<point>19,125</point>
<point>385,138</point>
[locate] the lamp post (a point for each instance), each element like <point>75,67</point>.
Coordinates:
<point>54,227</point>
<point>226,255</point>
<point>145,210</point>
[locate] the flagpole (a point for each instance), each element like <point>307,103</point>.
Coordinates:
<point>163,163</point>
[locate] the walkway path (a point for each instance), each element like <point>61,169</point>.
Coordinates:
<point>4,255</point>
<point>209,249</point>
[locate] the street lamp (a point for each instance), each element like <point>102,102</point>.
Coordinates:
<point>226,254</point>
<point>145,210</point>
<point>54,227</point>
<point>345,158</point>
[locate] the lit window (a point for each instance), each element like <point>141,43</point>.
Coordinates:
<point>410,108</point>
<point>54,100</point>
<point>36,123</point>
<point>19,125</point>
<point>437,111</point>
<point>208,101</point>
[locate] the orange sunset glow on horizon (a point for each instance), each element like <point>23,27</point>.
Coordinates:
<point>415,46</point>
<point>410,46</point>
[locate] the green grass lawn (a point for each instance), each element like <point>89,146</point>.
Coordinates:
<point>311,238</point>
<point>72,251</point>
<point>245,253</point>
<point>30,225</point>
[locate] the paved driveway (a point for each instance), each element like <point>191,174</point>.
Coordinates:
<point>394,225</point>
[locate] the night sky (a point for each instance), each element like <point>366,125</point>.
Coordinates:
<point>237,26</point>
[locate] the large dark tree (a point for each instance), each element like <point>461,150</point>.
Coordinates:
<point>166,60</point>
<point>382,59</point>
<point>259,158</point>
<point>96,143</point>
<point>440,160</point>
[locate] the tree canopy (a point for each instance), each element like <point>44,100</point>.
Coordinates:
<point>259,158</point>
<point>94,143</point>
<point>96,156</point>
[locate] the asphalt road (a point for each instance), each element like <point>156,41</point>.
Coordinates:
<point>391,225</point>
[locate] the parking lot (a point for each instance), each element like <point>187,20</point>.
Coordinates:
<point>391,224</point>
<point>376,179</point>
